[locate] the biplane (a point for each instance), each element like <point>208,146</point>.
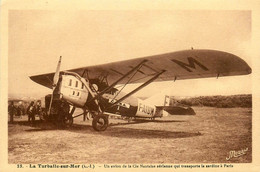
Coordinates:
<point>95,88</point>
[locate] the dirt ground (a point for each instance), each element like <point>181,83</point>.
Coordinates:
<point>207,137</point>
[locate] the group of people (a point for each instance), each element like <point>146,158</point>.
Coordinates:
<point>32,110</point>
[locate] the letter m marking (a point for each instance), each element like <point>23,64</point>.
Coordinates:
<point>191,64</point>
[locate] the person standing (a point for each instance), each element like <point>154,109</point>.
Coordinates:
<point>38,109</point>
<point>31,113</point>
<point>11,111</point>
<point>19,109</point>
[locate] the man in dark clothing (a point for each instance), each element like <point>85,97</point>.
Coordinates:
<point>19,109</point>
<point>31,112</point>
<point>11,111</point>
<point>38,109</point>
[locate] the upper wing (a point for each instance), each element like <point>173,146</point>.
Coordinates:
<point>187,64</point>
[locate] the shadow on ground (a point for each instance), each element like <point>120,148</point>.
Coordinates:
<point>36,126</point>
<point>123,132</point>
<point>114,130</point>
<point>143,121</point>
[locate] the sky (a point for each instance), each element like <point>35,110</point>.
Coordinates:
<point>38,37</point>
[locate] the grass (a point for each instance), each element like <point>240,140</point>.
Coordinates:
<point>206,137</point>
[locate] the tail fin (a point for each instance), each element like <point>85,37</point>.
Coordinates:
<point>175,108</point>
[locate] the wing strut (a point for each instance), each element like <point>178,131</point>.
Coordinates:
<point>138,88</point>
<point>120,79</point>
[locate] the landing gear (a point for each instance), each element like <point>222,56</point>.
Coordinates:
<point>89,116</point>
<point>67,121</point>
<point>100,122</point>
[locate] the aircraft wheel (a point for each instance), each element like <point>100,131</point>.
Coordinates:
<point>44,116</point>
<point>67,121</point>
<point>100,122</point>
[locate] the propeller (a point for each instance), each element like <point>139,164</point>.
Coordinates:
<point>55,81</point>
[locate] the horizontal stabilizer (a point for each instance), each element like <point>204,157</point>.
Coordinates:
<point>178,110</point>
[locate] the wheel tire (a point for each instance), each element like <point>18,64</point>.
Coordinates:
<point>67,121</point>
<point>100,122</point>
<point>42,115</point>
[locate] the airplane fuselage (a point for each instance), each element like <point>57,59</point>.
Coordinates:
<point>73,90</point>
